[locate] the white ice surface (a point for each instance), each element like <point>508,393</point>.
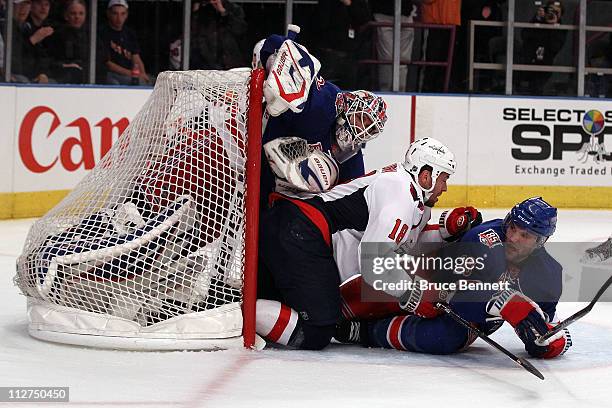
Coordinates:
<point>340,376</point>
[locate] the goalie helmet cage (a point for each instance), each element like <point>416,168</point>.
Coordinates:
<point>156,248</point>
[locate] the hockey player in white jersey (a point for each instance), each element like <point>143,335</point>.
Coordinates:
<point>309,246</point>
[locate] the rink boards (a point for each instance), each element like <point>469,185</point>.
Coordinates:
<point>507,148</point>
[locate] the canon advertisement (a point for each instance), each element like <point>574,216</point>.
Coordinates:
<point>60,134</point>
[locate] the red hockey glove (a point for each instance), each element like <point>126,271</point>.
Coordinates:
<point>455,223</point>
<point>421,302</point>
<point>529,323</point>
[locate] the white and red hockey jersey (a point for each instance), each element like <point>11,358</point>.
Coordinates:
<point>384,206</point>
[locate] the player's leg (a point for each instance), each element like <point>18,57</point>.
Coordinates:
<point>301,267</point>
<point>440,335</point>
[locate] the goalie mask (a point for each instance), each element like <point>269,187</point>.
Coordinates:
<point>361,118</point>
<point>429,152</point>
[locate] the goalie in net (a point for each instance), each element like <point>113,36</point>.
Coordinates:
<point>314,131</point>
<point>155,231</point>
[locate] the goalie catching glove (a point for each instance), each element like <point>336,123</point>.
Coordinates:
<point>298,168</point>
<point>455,223</point>
<point>529,323</point>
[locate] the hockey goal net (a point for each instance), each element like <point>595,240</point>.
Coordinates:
<point>155,247</point>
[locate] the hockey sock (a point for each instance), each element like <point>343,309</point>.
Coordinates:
<point>280,324</point>
<point>275,322</point>
<point>439,335</point>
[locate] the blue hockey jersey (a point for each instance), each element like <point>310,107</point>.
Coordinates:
<point>539,276</point>
<point>317,125</point>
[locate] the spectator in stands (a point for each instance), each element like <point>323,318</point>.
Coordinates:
<point>437,43</point>
<point>120,49</point>
<point>540,47</point>
<point>70,45</point>
<point>337,26</point>
<point>38,20</point>
<point>383,13</point>
<point>22,65</point>
<point>215,37</point>
<point>38,31</point>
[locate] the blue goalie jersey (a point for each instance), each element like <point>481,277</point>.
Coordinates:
<point>317,125</point>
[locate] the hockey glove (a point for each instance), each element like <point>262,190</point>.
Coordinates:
<point>529,323</point>
<point>553,347</point>
<point>421,302</point>
<point>455,223</point>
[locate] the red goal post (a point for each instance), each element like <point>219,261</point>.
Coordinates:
<point>251,238</point>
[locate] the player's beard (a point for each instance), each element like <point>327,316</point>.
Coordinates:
<point>515,254</point>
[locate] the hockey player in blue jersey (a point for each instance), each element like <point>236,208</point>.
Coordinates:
<point>314,131</point>
<point>514,253</point>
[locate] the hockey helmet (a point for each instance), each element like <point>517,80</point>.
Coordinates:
<point>535,215</point>
<point>361,117</point>
<point>429,152</point>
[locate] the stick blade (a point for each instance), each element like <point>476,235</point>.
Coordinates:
<point>529,367</point>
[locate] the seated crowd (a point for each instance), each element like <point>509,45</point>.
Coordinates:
<point>51,42</point>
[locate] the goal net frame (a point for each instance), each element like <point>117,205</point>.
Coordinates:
<point>228,325</point>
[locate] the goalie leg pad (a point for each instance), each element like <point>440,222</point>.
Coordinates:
<point>106,257</point>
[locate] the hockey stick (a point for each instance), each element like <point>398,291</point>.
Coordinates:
<point>578,315</point>
<point>518,360</point>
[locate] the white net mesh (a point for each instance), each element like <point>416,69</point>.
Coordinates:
<point>156,229</point>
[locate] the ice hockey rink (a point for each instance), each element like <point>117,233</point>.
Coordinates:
<point>340,376</point>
